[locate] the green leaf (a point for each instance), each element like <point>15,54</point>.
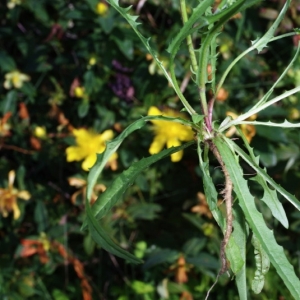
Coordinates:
<point>141,288</point>
<point>187,29</point>
<point>112,195</point>
<point>83,108</point>
<point>271,200</point>
<point>118,187</point>
<point>7,63</point>
<point>9,103</point>
<point>285,124</point>
<point>232,250</point>
<point>254,164</point>
<point>262,263</point>
<point>256,110</point>
<point>41,216</point>
<point>261,43</point>
<point>161,256</point>
<point>204,261</point>
<point>240,236</point>
<point>197,118</point>
<point>101,237</point>
<point>256,221</point>
<point>144,211</point>
<point>209,188</point>
<point>258,44</point>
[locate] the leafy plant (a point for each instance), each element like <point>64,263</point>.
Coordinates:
<point>205,24</point>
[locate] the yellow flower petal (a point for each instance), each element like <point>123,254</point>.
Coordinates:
<point>16,211</point>
<point>7,84</point>
<point>154,111</point>
<point>113,157</point>
<point>101,8</point>
<point>168,132</point>
<point>88,144</point>
<point>173,142</point>
<point>40,132</point>
<point>79,92</point>
<point>25,195</point>
<point>157,144</point>
<point>176,157</point>
<point>89,162</point>
<point>107,135</point>
<point>11,179</point>
<point>75,153</point>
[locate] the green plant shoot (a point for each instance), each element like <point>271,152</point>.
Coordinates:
<point>203,25</point>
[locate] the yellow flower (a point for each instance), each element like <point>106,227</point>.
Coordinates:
<point>248,130</point>
<point>44,241</point>
<point>88,144</point>
<point>294,114</point>
<point>12,3</point>
<point>15,79</point>
<point>169,133</point>
<point>101,8</point>
<point>40,132</point>
<point>79,92</point>
<point>8,197</point>
<point>92,61</point>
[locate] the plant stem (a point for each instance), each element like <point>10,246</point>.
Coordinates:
<point>189,37</point>
<point>246,52</point>
<point>185,103</point>
<point>227,192</point>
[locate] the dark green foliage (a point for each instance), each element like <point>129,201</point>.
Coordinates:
<point>159,218</point>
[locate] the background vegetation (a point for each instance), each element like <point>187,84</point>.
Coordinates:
<point>70,67</point>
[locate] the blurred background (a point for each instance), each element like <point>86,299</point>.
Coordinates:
<point>73,75</point>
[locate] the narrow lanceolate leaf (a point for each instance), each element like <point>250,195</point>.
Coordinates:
<point>256,110</point>
<point>209,187</point>
<point>288,196</point>
<point>112,147</point>
<point>285,124</point>
<point>271,200</point>
<point>112,195</point>
<point>132,21</point>
<point>263,41</point>
<point>118,187</point>
<point>240,236</point>
<point>100,236</point>
<point>256,221</point>
<point>187,29</point>
<point>233,252</point>
<point>262,263</point>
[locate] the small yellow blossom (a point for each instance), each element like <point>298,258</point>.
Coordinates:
<point>294,114</point>
<point>169,133</point>
<point>40,132</point>
<point>8,197</point>
<point>12,3</point>
<point>92,61</point>
<point>44,241</point>
<point>15,79</point>
<point>101,8</point>
<point>248,130</point>
<point>79,92</point>
<point>88,144</point>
